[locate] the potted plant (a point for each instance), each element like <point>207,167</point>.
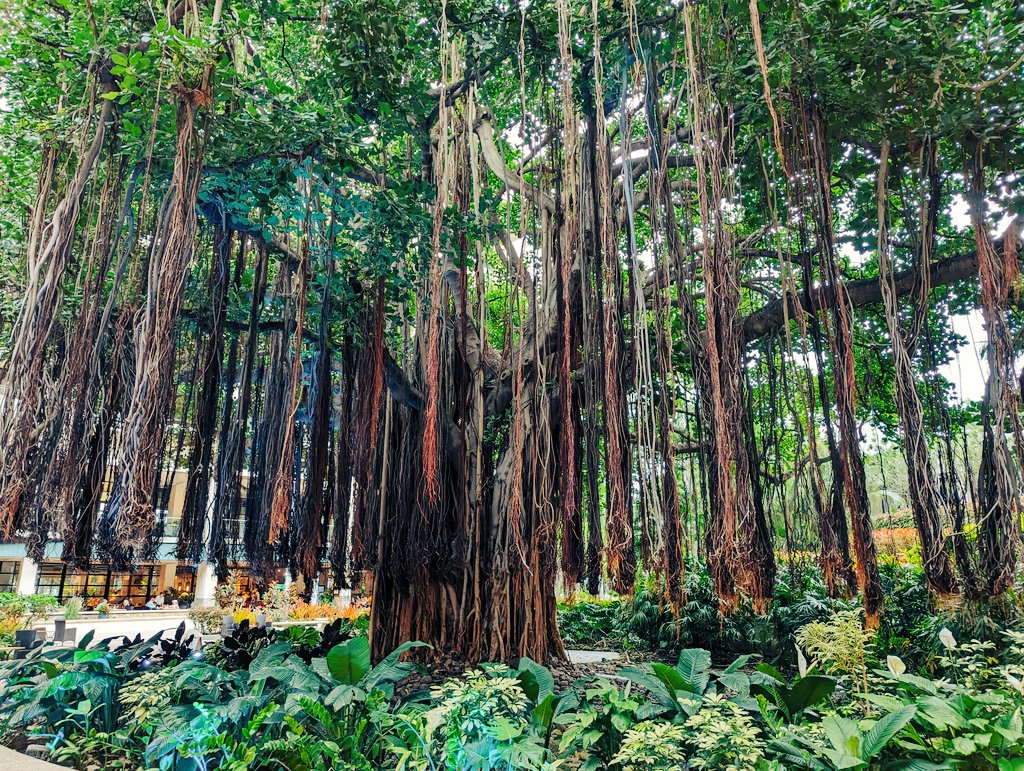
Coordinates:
<point>103,609</point>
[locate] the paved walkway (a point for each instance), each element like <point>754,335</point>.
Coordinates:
<point>592,657</point>
<point>15,761</point>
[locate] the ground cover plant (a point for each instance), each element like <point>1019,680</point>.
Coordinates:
<point>300,699</point>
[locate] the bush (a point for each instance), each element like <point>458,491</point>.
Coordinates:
<point>23,611</point>
<point>588,622</point>
<point>72,608</point>
<point>299,699</point>
<point>206,619</point>
<point>304,611</point>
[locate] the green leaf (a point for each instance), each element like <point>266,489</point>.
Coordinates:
<point>807,692</point>
<point>349,661</point>
<point>839,731</point>
<point>537,682</point>
<point>82,657</point>
<point>887,727</point>
<point>391,669</point>
<point>694,667</point>
<point>739,663</point>
<point>964,746</point>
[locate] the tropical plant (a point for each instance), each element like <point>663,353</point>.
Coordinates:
<point>784,701</point>
<point>73,608</point>
<point>652,746</point>
<point>207,619</point>
<point>843,743</point>
<point>841,645</point>
<point>723,736</point>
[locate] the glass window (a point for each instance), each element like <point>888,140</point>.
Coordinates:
<point>171,527</point>
<point>9,570</point>
<point>99,583</point>
<point>60,582</point>
<point>185,579</point>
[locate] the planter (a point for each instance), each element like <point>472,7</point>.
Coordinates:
<point>101,614</point>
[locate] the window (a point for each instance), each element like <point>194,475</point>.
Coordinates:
<point>185,580</point>
<point>99,582</point>
<point>95,584</point>
<point>51,579</point>
<point>9,570</point>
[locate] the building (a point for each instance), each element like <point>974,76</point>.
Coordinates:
<point>195,583</point>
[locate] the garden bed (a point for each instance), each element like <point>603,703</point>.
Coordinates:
<point>305,698</point>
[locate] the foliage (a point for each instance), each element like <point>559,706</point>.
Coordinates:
<point>227,594</point>
<point>645,622</point>
<point>304,611</point>
<point>480,721</point>
<point>587,621</point>
<point>844,743</point>
<point>146,696</point>
<point>723,736</point>
<point>237,650</point>
<point>841,644</point>
<point>652,746</point>
<point>208,620</point>
<point>20,611</point>
<point>303,703</point>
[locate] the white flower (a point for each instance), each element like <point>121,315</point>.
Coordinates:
<point>895,665</point>
<point>801,662</point>
<point>947,639</point>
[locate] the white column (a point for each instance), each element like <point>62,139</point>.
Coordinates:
<point>27,576</point>
<point>206,585</point>
<point>165,580</point>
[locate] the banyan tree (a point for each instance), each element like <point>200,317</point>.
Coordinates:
<point>494,300</point>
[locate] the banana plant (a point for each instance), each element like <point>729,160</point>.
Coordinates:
<point>349,665</point>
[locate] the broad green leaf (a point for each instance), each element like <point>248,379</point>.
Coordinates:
<point>887,727</point>
<point>349,661</point>
<point>543,683</point>
<point>694,666</point>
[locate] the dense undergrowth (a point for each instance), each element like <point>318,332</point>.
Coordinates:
<point>934,688</point>
<point>909,627</point>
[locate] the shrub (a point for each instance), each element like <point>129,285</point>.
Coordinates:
<point>588,622</point>
<point>147,696</point>
<point>652,746</point>
<point>480,720</point>
<point>227,595</point>
<point>28,608</point>
<point>723,736</point>
<point>72,608</point>
<point>207,619</point>
<point>840,645</point>
<point>304,611</point>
